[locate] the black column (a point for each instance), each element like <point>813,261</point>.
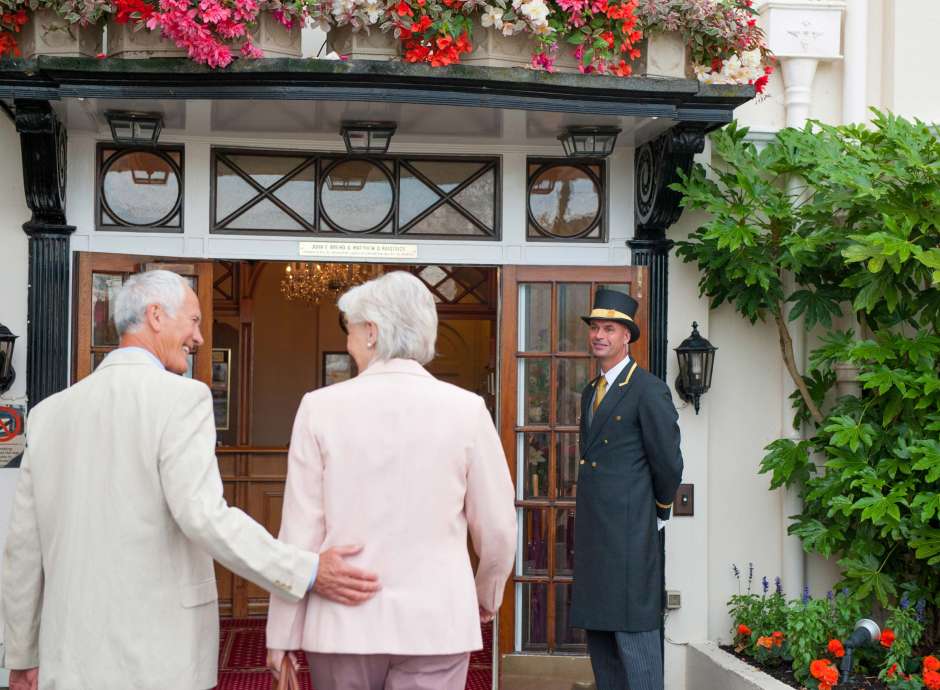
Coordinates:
<point>656,208</point>
<point>43,145</point>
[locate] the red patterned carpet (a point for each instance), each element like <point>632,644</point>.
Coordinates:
<point>242,653</point>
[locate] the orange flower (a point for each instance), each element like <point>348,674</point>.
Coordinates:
<point>777,637</point>
<point>931,663</point>
<point>765,642</point>
<point>744,630</point>
<point>823,670</point>
<point>887,638</point>
<point>932,680</point>
<point>836,649</point>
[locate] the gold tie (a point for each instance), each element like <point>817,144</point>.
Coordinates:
<point>599,395</point>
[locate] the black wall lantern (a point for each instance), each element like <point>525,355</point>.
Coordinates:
<point>367,138</point>
<point>7,375</point>
<point>696,359</point>
<point>589,142</point>
<point>137,129</point>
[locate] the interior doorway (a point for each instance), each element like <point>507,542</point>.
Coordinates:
<point>271,345</point>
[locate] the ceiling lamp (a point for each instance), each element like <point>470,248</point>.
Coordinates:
<point>589,142</point>
<point>367,138</point>
<point>137,129</point>
<point>318,283</point>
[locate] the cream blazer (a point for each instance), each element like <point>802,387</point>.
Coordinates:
<point>404,464</point>
<point>108,580</point>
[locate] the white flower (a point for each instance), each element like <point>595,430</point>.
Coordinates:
<point>536,12</point>
<point>751,58</point>
<point>492,16</point>
<point>509,29</point>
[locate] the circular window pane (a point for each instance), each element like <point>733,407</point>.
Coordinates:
<point>141,188</point>
<point>564,201</point>
<point>357,195</point>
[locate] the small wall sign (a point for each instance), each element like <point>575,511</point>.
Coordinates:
<point>12,434</point>
<point>358,250</point>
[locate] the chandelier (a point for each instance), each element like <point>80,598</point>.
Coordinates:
<point>312,282</point>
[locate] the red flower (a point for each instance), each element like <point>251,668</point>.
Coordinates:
<point>932,680</point>
<point>760,84</point>
<point>892,671</point>
<point>463,43</point>
<point>404,10</point>
<point>777,637</point>
<point>931,663</point>
<point>887,638</point>
<point>608,36</point>
<point>422,24</point>
<point>743,630</point>
<point>836,649</point>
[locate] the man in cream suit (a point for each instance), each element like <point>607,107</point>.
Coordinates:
<point>108,581</point>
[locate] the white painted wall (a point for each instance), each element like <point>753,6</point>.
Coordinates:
<point>13,278</point>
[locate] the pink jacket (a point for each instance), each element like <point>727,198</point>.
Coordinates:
<point>403,464</point>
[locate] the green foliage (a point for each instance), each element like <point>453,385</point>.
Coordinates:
<point>809,629</point>
<point>908,629</point>
<point>852,214</point>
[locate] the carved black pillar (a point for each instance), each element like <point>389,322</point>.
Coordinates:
<point>43,144</point>
<point>656,208</point>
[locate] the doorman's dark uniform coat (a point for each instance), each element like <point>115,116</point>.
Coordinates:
<point>630,469</point>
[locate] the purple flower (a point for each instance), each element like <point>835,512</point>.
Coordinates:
<point>806,596</point>
<point>829,596</point>
<point>734,569</point>
<point>920,607</point>
<point>778,585</point>
<point>765,584</point>
<point>750,575</point>
<point>905,601</point>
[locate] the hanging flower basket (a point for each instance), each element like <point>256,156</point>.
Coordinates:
<point>46,33</point>
<point>125,42</point>
<point>362,45</point>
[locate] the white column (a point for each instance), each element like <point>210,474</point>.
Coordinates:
<point>854,68</point>
<point>801,34</point>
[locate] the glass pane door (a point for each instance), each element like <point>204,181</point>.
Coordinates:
<point>545,365</point>
<point>98,279</point>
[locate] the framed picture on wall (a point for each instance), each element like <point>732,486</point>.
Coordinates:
<point>337,366</point>
<point>221,386</point>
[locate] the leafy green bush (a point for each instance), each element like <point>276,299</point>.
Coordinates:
<point>852,213</point>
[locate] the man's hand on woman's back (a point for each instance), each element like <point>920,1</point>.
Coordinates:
<point>341,582</point>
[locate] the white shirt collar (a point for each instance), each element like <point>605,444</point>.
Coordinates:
<point>153,358</point>
<point>612,374</point>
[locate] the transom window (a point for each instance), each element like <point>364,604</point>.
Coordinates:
<point>321,194</point>
<point>566,201</point>
<point>140,188</point>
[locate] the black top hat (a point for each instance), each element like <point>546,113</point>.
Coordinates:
<point>615,306</point>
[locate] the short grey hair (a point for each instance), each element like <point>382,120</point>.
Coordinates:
<point>143,289</point>
<point>402,308</point>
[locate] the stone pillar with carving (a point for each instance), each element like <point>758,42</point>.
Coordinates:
<point>43,146</point>
<point>656,208</point>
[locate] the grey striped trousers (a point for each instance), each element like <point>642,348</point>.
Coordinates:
<point>626,660</point>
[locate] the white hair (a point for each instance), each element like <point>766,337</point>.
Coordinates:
<point>143,289</point>
<point>402,308</point>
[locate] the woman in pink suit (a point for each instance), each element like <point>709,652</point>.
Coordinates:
<point>404,464</point>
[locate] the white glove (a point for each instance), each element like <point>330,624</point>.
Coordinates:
<point>660,523</point>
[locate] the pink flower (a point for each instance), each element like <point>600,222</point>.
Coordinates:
<point>543,61</point>
<point>250,50</point>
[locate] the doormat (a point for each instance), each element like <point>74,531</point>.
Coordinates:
<point>242,655</point>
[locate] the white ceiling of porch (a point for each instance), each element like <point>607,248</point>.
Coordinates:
<point>320,119</point>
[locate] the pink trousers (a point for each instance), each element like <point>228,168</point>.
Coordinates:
<point>388,671</point>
